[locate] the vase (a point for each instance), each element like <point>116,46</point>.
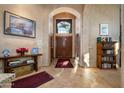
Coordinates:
<point>22,53</point>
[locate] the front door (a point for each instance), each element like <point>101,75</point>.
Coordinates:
<point>64,46</point>
<point>63,38</point>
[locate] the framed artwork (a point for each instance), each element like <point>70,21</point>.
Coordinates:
<point>34,51</point>
<point>19,26</point>
<point>63,26</point>
<point>104,29</point>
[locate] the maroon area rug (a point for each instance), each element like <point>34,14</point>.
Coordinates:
<point>32,81</point>
<point>64,63</point>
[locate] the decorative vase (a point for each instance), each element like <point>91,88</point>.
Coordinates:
<point>22,53</point>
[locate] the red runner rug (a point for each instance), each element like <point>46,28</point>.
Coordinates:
<point>64,63</point>
<point>32,81</point>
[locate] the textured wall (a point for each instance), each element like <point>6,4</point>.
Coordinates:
<point>47,10</point>
<point>13,42</point>
<point>122,46</point>
<point>94,15</point>
<point>39,13</point>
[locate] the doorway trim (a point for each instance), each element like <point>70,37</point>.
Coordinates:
<point>77,23</point>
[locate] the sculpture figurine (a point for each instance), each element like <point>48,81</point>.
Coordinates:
<point>6,52</point>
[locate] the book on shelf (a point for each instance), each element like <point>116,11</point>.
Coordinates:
<point>111,59</point>
<point>108,52</point>
<point>107,59</point>
<point>18,62</point>
<point>106,65</point>
<point>30,61</point>
<point>107,45</point>
<point>14,63</point>
<point>104,39</point>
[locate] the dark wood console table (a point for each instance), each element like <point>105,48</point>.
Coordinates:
<point>32,56</point>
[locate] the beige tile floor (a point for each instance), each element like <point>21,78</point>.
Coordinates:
<point>79,77</point>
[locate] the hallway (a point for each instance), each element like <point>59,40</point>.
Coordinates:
<point>92,33</point>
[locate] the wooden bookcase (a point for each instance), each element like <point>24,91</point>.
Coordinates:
<point>106,55</point>
<point>7,60</point>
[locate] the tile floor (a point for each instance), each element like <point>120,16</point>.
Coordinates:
<point>79,77</point>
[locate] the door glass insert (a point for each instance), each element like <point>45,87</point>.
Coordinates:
<point>63,26</point>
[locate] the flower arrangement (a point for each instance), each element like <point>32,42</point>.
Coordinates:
<point>21,50</point>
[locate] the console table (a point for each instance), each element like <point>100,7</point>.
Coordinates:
<point>6,61</point>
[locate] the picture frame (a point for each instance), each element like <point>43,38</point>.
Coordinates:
<point>103,30</point>
<point>63,26</point>
<point>19,26</point>
<point>34,50</point>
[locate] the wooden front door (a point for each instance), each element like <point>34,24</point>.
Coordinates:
<point>64,25</point>
<point>64,46</point>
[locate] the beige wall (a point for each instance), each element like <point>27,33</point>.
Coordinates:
<point>91,17</point>
<point>13,42</point>
<point>94,15</point>
<point>47,10</point>
<point>39,13</point>
<point>122,46</point>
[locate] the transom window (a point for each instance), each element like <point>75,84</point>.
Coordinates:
<point>63,26</point>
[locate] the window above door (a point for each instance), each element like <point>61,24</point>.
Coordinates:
<point>63,26</point>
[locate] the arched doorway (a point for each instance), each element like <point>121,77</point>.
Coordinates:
<point>64,35</point>
<point>77,30</point>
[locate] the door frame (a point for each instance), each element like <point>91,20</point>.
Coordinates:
<point>70,34</point>
<point>78,28</point>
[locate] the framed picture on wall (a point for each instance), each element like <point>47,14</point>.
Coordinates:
<point>103,29</point>
<point>34,51</point>
<point>19,26</point>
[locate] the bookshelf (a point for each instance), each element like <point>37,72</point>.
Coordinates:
<point>106,56</point>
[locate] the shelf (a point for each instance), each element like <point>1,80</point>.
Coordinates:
<point>108,55</point>
<point>6,61</point>
<point>108,42</point>
<point>109,68</point>
<point>9,67</point>
<point>108,48</point>
<point>111,62</point>
<point>18,56</point>
<point>24,61</point>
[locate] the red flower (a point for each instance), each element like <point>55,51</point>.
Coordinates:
<point>20,50</point>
